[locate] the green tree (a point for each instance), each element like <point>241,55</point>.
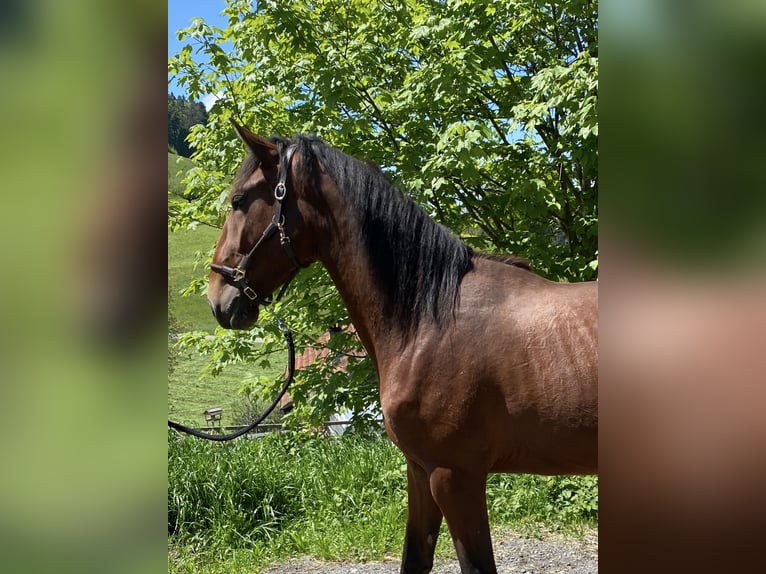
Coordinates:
<point>182,115</point>
<point>484,111</point>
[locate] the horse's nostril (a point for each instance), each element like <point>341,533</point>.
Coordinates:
<point>218,309</point>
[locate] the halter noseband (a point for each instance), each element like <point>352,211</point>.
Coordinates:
<point>237,275</point>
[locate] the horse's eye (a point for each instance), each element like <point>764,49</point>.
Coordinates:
<point>237,201</point>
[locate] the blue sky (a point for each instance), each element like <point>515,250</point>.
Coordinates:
<point>180,14</point>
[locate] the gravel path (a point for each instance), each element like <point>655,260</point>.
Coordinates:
<point>514,555</point>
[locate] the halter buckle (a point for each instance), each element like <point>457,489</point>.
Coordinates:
<point>280,191</point>
<point>239,274</point>
<point>248,291</point>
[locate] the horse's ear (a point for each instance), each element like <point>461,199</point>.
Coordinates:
<point>264,150</point>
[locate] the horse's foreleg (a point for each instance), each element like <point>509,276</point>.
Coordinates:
<point>462,498</point>
<point>423,521</point>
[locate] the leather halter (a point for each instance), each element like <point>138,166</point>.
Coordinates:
<point>238,275</point>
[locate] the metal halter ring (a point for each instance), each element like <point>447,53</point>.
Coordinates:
<point>239,274</point>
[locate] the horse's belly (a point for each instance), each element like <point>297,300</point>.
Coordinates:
<point>558,453</point>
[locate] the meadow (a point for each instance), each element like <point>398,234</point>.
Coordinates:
<point>185,250</point>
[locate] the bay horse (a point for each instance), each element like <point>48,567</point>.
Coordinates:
<point>484,366</point>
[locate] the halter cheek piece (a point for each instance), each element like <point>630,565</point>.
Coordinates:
<point>238,275</point>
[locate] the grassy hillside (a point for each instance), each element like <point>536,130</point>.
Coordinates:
<point>177,166</point>
<point>189,393</point>
<point>187,249</point>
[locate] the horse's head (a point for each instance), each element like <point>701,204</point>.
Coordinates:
<point>263,241</point>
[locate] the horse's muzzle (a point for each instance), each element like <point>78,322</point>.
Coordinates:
<point>233,310</point>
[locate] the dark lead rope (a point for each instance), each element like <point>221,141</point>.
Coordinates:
<point>288,379</point>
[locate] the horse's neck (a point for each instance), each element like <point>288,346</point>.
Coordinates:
<point>351,273</point>
<point>348,264</point>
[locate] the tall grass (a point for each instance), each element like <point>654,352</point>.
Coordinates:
<point>281,496</point>
<point>236,507</point>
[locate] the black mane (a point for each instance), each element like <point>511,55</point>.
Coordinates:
<point>418,263</point>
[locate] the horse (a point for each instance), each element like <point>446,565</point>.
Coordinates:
<point>483,365</point>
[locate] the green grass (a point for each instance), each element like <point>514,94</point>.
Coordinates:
<point>190,393</point>
<point>184,249</point>
<point>187,250</point>
<point>177,167</point>
<point>240,506</point>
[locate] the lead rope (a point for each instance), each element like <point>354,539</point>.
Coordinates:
<point>288,379</point>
